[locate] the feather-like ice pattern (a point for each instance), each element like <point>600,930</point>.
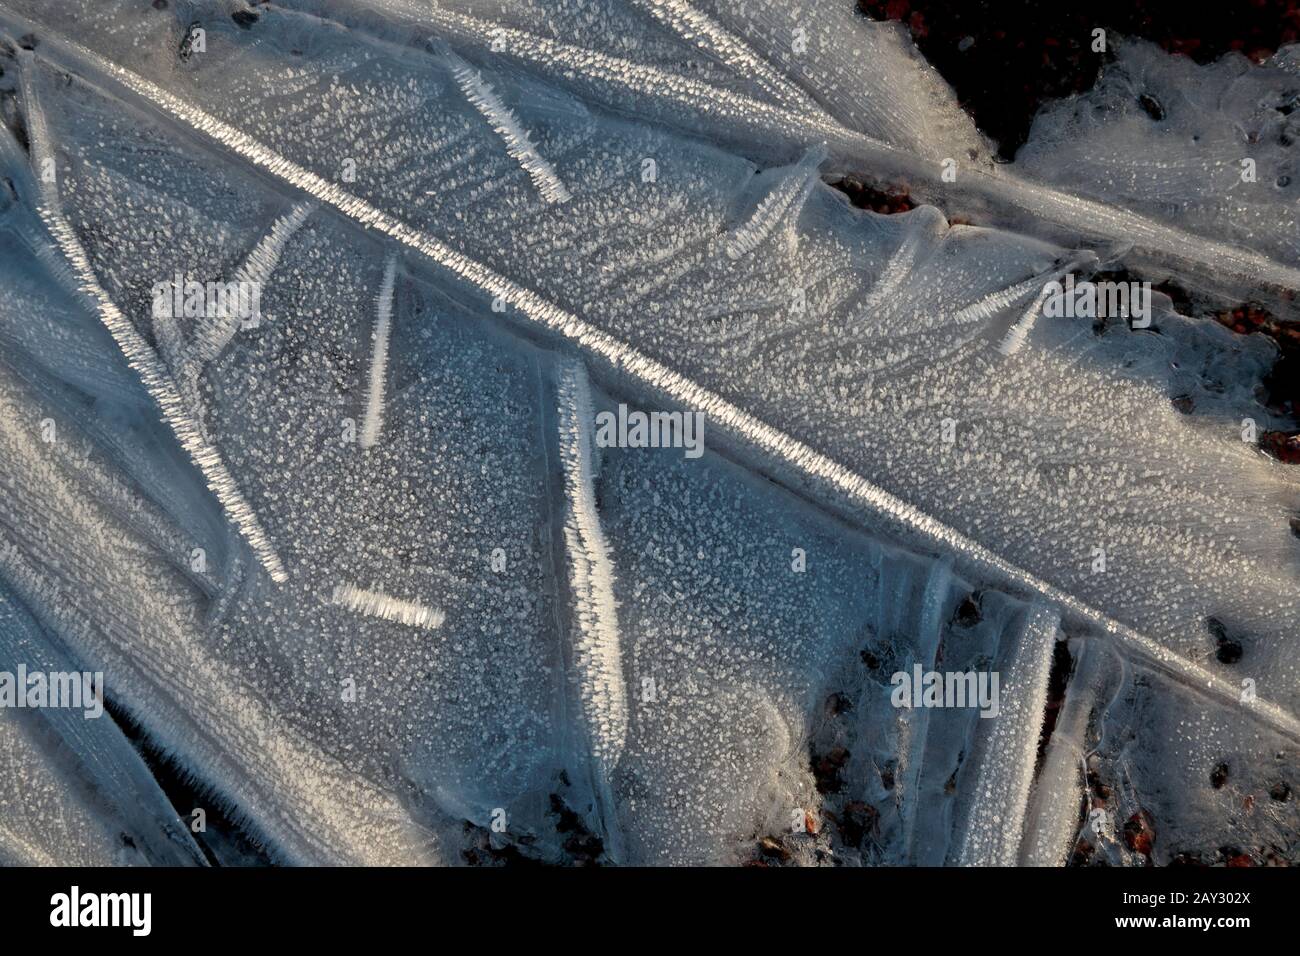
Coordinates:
<point>698,27</point>
<point>378,604</point>
<point>771,61</point>
<point>137,350</point>
<point>854,363</point>
<point>780,206</point>
<point>873,123</point>
<point>598,652</point>
<point>214,333</point>
<point>482,605</point>
<point>374,418</point>
<point>517,140</point>
<point>475,757</point>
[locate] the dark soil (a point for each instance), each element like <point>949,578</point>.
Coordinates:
<point>1282,384</point>
<point>1058,680</point>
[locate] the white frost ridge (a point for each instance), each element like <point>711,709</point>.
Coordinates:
<point>215,334</point>
<point>515,136</point>
<point>600,659</point>
<point>995,824</point>
<point>378,604</point>
<point>374,420</point>
<point>782,204</point>
<point>1016,336</point>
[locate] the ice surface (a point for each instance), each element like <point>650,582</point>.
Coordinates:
<point>1196,125</point>
<point>432,617</point>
